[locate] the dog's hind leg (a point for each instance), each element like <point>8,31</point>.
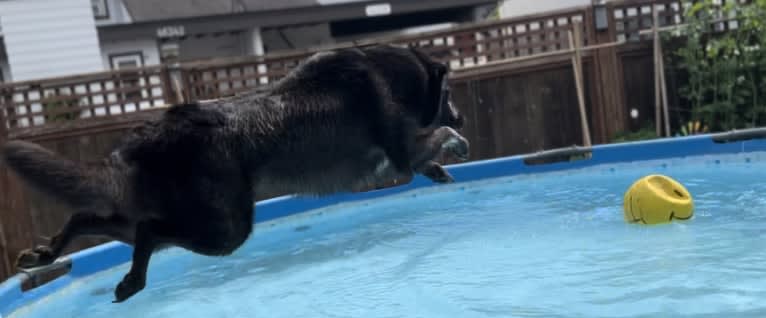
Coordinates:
<point>146,241</point>
<point>79,224</point>
<point>211,229</point>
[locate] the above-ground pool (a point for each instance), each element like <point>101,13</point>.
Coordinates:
<point>512,241</point>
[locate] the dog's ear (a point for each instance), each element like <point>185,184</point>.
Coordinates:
<point>437,73</point>
<point>440,71</point>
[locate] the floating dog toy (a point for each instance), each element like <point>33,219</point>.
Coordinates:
<point>656,199</point>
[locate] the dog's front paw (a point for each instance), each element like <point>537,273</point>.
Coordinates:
<point>36,257</point>
<point>443,179</point>
<point>459,147</point>
<point>437,174</point>
<point>129,286</point>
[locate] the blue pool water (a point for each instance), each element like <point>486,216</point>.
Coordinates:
<point>549,245</point>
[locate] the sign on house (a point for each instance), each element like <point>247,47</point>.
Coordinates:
<point>172,31</point>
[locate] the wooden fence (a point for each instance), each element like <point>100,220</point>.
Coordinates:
<point>508,77</point>
<point>116,93</point>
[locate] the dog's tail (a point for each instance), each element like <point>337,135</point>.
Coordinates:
<point>76,184</point>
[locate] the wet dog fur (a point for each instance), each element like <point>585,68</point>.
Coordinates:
<point>188,179</point>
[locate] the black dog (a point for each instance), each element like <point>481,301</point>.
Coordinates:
<point>188,179</point>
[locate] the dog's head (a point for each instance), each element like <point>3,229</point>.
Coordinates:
<point>440,110</point>
<point>417,82</point>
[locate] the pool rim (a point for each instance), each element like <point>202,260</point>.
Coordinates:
<point>106,256</point>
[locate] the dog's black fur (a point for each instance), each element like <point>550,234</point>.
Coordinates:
<point>188,179</point>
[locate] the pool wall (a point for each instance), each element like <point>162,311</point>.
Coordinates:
<point>102,257</point>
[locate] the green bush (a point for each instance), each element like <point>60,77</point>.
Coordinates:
<point>645,133</point>
<point>60,107</point>
<point>726,83</point>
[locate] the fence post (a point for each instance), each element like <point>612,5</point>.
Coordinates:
<point>169,92</point>
<point>3,121</point>
<point>185,86</point>
<point>5,259</point>
<point>186,74</point>
<point>575,42</point>
<point>660,89</point>
<point>608,113</point>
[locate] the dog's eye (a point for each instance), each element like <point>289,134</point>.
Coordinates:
<point>457,122</point>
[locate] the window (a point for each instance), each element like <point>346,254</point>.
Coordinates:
<point>100,9</point>
<point>126,60</point>
<point>130,85</point>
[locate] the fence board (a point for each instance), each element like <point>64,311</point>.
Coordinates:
<point>78,98</point>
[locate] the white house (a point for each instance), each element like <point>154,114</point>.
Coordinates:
<point>48,38</point>
<point>515,8</point>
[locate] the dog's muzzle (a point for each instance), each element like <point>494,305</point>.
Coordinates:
<point>451,117</point>
<point>454,120</point>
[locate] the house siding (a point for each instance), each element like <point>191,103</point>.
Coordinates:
<point>515,8</point>
<point>49,38</point>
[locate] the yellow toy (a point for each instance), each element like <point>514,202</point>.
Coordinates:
<point>657,199</point>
